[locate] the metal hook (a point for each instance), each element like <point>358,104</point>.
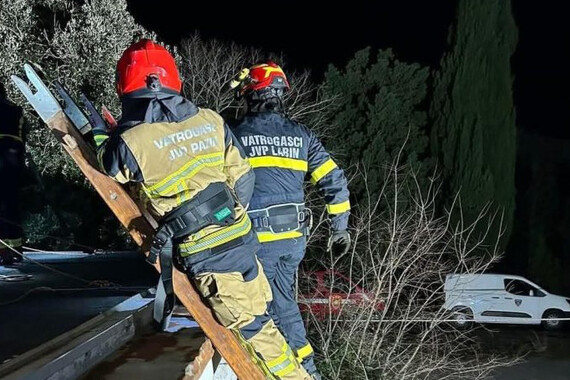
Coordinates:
<point>43,101</point>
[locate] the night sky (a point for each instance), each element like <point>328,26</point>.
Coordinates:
<point>541,67</point>
<point>415,30</point>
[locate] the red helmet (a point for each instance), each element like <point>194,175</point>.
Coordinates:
<point>147,65</point>
<point>265,75</point>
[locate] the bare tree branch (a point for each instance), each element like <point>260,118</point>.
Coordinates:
<point>208,66</point>
<point>402,255</point>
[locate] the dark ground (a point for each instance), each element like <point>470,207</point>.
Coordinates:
<point>31,317</point>
<point>545,354</point>
<point>63,292</point>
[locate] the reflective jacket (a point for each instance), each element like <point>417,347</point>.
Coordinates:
<point>173,150</point>
<point>282,153</point>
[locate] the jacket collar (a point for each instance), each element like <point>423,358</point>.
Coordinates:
<point>159,108</point>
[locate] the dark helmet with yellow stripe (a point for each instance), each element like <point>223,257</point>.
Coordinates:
<point>260,77</point>
<point>263,86</point>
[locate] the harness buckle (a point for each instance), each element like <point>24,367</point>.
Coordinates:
<point>306,218</point>
<point>160,238</point>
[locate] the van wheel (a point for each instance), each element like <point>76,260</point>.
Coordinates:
<point>549,322</point>
<point>462,318</point>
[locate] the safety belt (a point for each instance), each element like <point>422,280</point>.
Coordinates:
<point>215,205</point>
<point>280,218</point>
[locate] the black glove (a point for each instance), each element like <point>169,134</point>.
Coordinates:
<point>339,242</point>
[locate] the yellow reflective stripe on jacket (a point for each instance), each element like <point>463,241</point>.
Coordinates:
<point>12,243</point>
<point>338,208</point>
<point>267,236</point>
<point>216,238</point>
<point>18,138</point>
<point>166,185</point>
<point>284,364</point>
<point>279,162</point>
<point>324,169</point>
<point>304,351</point>
<point>99,139</point>
<point>183,194</point>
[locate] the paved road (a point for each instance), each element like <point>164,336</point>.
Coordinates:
<point>537,369</point>
<point>31,312</point>
<point>547,354</point>
<point>64,290</point>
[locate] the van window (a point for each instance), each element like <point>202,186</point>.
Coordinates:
<point>520,288</point>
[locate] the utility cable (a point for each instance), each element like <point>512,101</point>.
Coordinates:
<point>67,240</point>
<point>50,289</point>
<point>76,278</point>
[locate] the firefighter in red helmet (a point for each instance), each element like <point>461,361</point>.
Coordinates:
<point>282,153</point>
<point>194,178</point>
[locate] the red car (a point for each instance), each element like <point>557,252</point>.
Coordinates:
<point>324,293</point>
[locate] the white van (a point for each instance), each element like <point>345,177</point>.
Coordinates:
<point>501,298</point>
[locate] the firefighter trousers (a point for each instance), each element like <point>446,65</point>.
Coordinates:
<point>280,260</point>
<point>234,285</point>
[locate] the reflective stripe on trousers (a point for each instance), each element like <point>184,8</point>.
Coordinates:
<point>284,364</point>
<point>304,352</point>
<point>280,260</point>
<point>239,301</point>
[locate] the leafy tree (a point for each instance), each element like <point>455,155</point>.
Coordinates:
<point>77,43</point>
<point>474,134</point>
<point>540,240</point>
<point>539,245</point>
<point>379,117</point>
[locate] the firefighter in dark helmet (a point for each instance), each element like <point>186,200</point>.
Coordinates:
<point>282,153</point>
<point>12,166</point>
<point>194,179</point>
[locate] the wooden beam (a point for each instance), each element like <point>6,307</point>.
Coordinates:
<point>140,226</point>
<point>195,369</point>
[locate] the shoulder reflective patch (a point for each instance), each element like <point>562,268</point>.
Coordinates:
<point>323,169</point>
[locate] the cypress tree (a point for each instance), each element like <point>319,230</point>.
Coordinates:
<point>379,116</point>
<point>474,133</point>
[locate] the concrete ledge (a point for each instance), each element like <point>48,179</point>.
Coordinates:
<point>74,353</point>
<point>109,347</point>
